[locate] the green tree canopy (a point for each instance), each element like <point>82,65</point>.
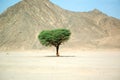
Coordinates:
<point>54,37</point>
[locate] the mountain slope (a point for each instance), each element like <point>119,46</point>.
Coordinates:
<point>21,24</point>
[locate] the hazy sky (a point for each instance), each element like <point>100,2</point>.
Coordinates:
<point>110,7</point>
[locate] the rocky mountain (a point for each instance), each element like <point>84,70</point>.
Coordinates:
<point>20,25</point>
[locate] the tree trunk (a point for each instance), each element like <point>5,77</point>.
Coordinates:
<point>57,51</point>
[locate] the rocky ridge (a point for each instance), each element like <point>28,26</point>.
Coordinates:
<point>21,24</point>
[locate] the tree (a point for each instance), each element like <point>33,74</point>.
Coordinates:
<point>54,38</point>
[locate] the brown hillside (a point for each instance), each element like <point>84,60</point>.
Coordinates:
<point>21,24</point>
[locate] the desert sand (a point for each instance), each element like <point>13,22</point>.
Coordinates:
<point>20,25</point>
<point>72,65</point>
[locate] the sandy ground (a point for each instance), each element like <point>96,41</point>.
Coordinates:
<point>72,65</point>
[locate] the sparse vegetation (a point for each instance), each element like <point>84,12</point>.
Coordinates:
<point>54,38</point>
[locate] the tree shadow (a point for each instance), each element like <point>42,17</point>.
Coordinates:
<point>59,56</point>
